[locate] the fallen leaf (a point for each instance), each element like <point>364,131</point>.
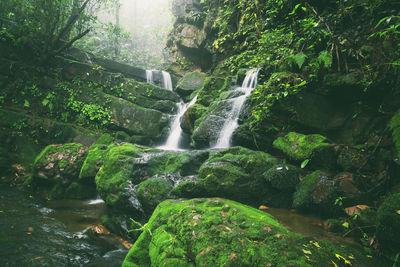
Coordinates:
<point>233,256</point>
<point>262,207</point>
<point>224,214</point>
<point>315,243</point>
<point>307,252</point>
<point>355,209</point>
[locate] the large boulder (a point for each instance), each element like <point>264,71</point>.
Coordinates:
<point>234,173</point>
<point>189,83</point>
<point>192,114</point>
<point>219,232</point>
<point>56,170</point>
<point>137,120</point>
<point>95,159</point>
<point>312,147</point>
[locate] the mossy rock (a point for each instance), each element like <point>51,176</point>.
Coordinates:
<point>192,114</point>
<point>153,191</point>
<point>59,162</point>
<point>219,232</point>
<point>236,173</point>
<point>302,198</point>
<point>283,176</point>
<point>113,180</point>
<point>211,90</point>
<point>388,228</point>
<point>95,159</point>
<point>56,171</point>
<point>395,126</point>
<point>189,83</point>
<point>299,146</point>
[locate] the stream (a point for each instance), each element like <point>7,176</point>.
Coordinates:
<point>53,233</point>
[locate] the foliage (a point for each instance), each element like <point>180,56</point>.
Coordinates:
<point>45,28</point>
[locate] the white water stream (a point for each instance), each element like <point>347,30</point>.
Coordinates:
<point>231,123</point>
<point>175,133</point>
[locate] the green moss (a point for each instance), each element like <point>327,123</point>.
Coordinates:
<point>152,191</point>
<point>388,228</point>
<point>334,225</point>
<point>299,146</point>
<point>283,176</point>
<point>112,177</point>
<point>213,86</point>
<point>395,126</point>
<point>105,139</point>
<point>302,197</point>
<point>219,232</point>
<point>235,173</point>
<point>192,81</point>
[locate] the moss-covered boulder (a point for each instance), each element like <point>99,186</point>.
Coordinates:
<point>388,228</point>
<point>189,83</point>
<point>299,146</point>
<point>153,191</point>
<point>302,198</point>
<point>113,180</point>
<point>192,114</point>
<point>137,120</point>
<point>218,232</point>
<point>318,192</point>
<point>95,159</point>
<point>283,177</point>
<point>235,173</point>
<point>56,168</point>
<point>213,86</point>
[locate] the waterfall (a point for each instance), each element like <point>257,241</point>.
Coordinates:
<point>167,82</point>
<point>149,76</point>
<point>175,133</point>
<point>231,123</point>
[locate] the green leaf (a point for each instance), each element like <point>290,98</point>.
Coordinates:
<point>325,58</point>
<point>26,104</point>
<point>304,163</point>
<point>45,102</point>
<point>299,58</point>
<point>346,225</point>
<point>398,212</point>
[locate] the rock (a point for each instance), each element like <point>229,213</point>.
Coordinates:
<point>189,83</point>
<point>334,226</point>
<point>283,177</point>
<point>206,134</point>
<point>299,146</point>
<point>192,114</point>
<point>57,167</point>
<point>320,112</point>
<point>213,86</point>
<point>153,191</point>
<point>113,180</point>
<point>137,120</point>
<point>95,159</point>
<point>117,67</point>
<point>303,197</point>
<point>191,37</point>
<point>388,227</point>
<point>313,147</point>
<point>352,159</point>
<point>219,232</point>
<point>236,173</point>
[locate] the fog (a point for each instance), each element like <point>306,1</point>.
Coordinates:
<point>148,22</point>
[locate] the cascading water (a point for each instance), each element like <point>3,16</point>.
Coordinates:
<point>175,133</point>
<point>167,82</point>
<point>231,123</point>
<point>149,76</point>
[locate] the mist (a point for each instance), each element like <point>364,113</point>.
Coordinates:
<point>148,23</point>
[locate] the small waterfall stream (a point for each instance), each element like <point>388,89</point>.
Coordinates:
<point>175,133</point>
<point>167,82</point>
<point>231,123</point>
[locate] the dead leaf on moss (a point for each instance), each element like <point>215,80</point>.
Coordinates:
<point>355,209</point>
